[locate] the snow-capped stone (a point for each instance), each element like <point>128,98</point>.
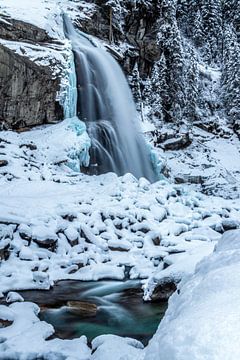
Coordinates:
<point>14,297</point>
<point>26,254</point>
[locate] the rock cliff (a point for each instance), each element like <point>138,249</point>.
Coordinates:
<point>28,90</point>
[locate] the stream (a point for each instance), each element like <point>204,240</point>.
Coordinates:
<point>77,308</point>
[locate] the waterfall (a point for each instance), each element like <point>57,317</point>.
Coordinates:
<point>106,105</point>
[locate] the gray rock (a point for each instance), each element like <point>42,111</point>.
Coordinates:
<point>17,30</point>
<point>27,92</point>
<point>177,143</point>
<point>163,291</point>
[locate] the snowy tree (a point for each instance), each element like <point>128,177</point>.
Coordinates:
<point>135,81</point>
<point>211,11</point>
<point>231,74</point>
<point>191,90</point>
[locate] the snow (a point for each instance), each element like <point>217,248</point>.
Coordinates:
<point>13,297</point>
<point>108,347</point>
<point>27,337</point>
<point>214,161</point>
<point>44,14</point>
<point>64,225</point>
<point>73,226</point>
<point>202,319</point>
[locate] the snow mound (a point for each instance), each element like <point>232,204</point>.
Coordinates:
<point>202,320</point>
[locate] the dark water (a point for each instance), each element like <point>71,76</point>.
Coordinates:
<point>120,309</point>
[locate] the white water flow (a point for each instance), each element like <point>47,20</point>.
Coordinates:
<point>106,105</point>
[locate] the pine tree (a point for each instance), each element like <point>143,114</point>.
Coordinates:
<point>231,74</point>
<point>211,11</point>
<point>135,82</point>
<point>192,78</point>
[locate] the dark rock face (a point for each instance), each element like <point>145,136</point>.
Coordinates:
<point>172,140</point>
<point>137,25</point>
<point>163,291</point>
<point>27,90</point>
<point>17,30</point>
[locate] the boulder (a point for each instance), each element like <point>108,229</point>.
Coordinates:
<point>82,308</point>
<point>163,291</point>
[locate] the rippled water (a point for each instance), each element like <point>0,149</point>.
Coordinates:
<point>120,309</point>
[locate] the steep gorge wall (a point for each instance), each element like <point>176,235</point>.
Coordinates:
<point>27,91</point>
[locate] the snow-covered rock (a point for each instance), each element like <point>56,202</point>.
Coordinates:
<point>202,319</point>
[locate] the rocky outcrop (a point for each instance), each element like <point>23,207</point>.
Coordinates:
<point>28,90</point>
<point>135,25</point>
<point>17,30</point>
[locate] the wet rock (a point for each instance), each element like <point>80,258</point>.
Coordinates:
<point>82,308</point>
<point>163,291</point>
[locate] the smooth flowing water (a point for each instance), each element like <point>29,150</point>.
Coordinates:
<point>106,105</point>
<point>119,309</point>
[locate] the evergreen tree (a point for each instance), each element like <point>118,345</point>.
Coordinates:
<point>231,74</point>
<point>192,78</point>
<point>135,82</point>
<point>211,11</point>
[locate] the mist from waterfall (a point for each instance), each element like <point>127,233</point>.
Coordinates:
<point>106,105</point>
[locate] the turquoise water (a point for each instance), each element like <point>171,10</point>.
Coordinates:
<point>120,309</point>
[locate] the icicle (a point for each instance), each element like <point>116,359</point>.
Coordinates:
<point>70,103</point>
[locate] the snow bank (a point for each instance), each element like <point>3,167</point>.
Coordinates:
<point>27,337</point>
<point>45,14</point>
<point>202,321</point>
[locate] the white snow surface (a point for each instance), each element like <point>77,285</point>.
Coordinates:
<point>61,224</point>
<point>45,14</point>
<point>212,160</point>
<point>202,320</point>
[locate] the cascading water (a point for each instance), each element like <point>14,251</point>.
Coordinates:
<point>106,105</point>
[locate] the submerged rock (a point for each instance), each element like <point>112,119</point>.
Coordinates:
<point>82,308</point>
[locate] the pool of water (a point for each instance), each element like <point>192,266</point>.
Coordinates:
<point>120,309</point>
